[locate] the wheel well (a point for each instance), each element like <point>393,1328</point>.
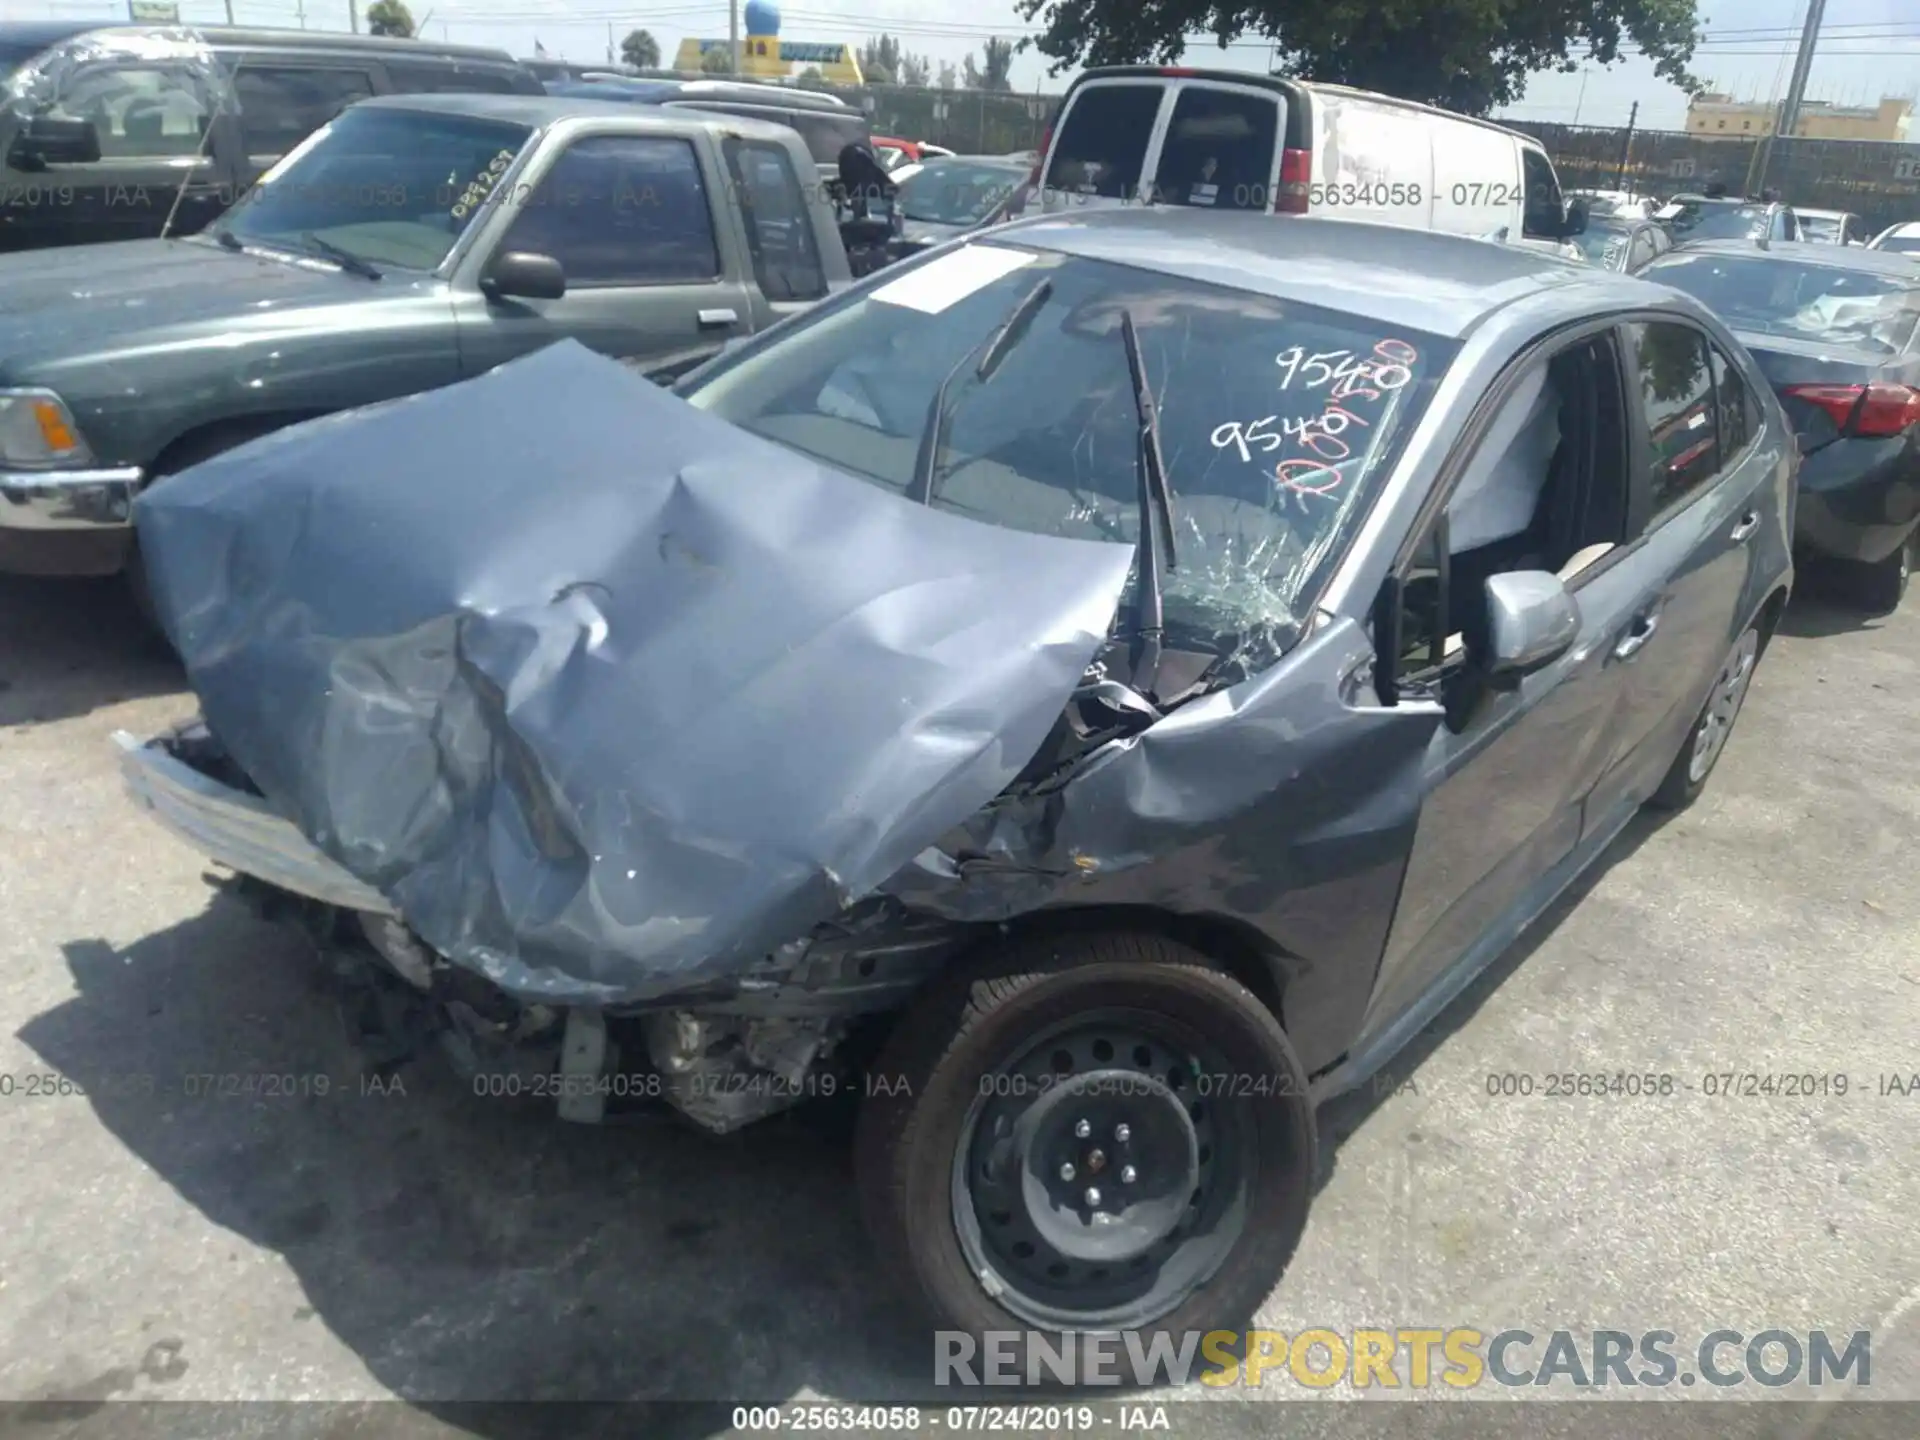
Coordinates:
<point>1235,948</point>
<point>205,440</point>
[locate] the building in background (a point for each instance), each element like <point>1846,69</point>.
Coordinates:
<point>1721,117</point>
<point>765,56</point>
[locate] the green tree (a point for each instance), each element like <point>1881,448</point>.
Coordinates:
<point>880,60</point>
<point>641,50</point>
<point>949,77</point>
<point>811,79</point>
<point>717,61</point>
<point>915,70</point>
<point>389,17</point>
<point>992,72</point>
<point>1465,55</point>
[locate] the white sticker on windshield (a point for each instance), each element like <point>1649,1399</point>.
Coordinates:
<point>945,282</point>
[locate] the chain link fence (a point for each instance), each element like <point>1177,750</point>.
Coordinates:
<point>1877,180</point>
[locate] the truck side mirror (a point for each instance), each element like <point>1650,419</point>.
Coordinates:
<point>1576,218</point>
<point>55,140</point>
<point>523,275</point>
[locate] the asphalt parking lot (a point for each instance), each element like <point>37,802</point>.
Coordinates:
<point>436,1246</point>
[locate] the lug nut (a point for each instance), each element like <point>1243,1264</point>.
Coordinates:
<point>1083,1130</point>
<point>1093,1198</point>
<point>1066,1172</point>
<point>1122,1133</point>
<point>1128,1175</point>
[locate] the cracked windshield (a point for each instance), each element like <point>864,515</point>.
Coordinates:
<point>1277,421</point>
<point>1778,297</point>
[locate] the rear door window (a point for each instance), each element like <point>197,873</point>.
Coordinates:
<point>786,263</point>
<point>1101,147</point>
<point>280,105</point>
<point>1219,150</point>
<point>1678,404</point>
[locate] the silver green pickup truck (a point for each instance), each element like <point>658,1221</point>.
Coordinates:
<point>414,241</point>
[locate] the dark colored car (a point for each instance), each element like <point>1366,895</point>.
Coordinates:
<point>125,132</point>
<point>1833,329</point>
<point>413,241</point>
<point>946,197</point>
<point>1691,218</point>
<point>1093,691</point>
<point>826,122</point>
<point>1622,243</point>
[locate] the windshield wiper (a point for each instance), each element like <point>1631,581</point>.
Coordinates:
<point>345,259</point>
<point>992,352</point>
<point>1156,504</point>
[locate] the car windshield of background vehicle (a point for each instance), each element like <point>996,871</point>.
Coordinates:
<point>1819,227</point>
<point>954,192</point>
<point>1905,244</point>
<point>1278,421</point>
<point>1719,222</point>
<point>392,187</point>
<point>1601,243</point>
<point>1763,295</point>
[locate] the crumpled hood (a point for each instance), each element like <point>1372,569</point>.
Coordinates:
<point>65,299</point>
<point>606,695</point>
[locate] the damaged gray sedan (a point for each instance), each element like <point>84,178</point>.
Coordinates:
<point>1092,693</point>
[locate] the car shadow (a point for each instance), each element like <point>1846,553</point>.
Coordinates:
<point>72,646</point>
<point>475,1253</point>
<point>1817,610</point>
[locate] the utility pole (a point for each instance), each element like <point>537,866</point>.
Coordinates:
<point>1789,115</point>
<point>609,44</point>
<point>229,12</point>
<point>353,16</point>
<point>1626,148</point>
<point>733,33</point>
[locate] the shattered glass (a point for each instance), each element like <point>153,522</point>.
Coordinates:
<point>45,83</point>
<point>1276,421</point>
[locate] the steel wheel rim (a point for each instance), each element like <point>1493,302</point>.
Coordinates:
<point>1723,706</point>
<point>1027,1230</point>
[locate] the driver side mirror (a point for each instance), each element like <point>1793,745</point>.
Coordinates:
<point>1576,222</point>
<point>55,140</point>
<point>1532,620</point>
<point>523,275</point>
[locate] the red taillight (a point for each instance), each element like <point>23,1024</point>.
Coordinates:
<point>1177,70</point>
<point>1296,178</point>
<point>1887,410</point>
<point>1875,410</point>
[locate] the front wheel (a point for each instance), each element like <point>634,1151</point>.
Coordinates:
<point>1096,1132</point>
<point>1708,739</point>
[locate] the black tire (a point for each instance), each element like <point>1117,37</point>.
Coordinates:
<point>1878,589</point>
<point>1706,741</point>
<point>927,1203</point>
<point>184,455</point>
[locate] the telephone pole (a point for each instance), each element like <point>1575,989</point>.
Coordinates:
<point>353,16</point>
<point>1789,115</point>
<point>1626,148</point>
<point>733,34</point>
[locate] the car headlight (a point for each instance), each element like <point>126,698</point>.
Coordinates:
<point>37,432</point>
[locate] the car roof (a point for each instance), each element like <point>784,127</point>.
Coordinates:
<point>53,32</point>
<point>542,110</point>
<point>1824,214</point>
<point>1905,227</point>
<point>1432,282</point>
<point>1834,257</point>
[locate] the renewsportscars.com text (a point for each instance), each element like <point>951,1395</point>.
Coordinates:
<point>1411,1358</point>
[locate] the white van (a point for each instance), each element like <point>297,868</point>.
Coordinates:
<point>1231,141</point>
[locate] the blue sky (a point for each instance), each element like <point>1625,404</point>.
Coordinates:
<point>1869,47</point>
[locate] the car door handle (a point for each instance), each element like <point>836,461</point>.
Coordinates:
<point>717,319</point>
<point>1637,635</point>
<point>1749,523</point>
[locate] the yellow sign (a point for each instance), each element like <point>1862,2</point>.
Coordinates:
<point>767,57</point>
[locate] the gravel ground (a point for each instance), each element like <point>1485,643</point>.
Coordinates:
<point>437,1247</point>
